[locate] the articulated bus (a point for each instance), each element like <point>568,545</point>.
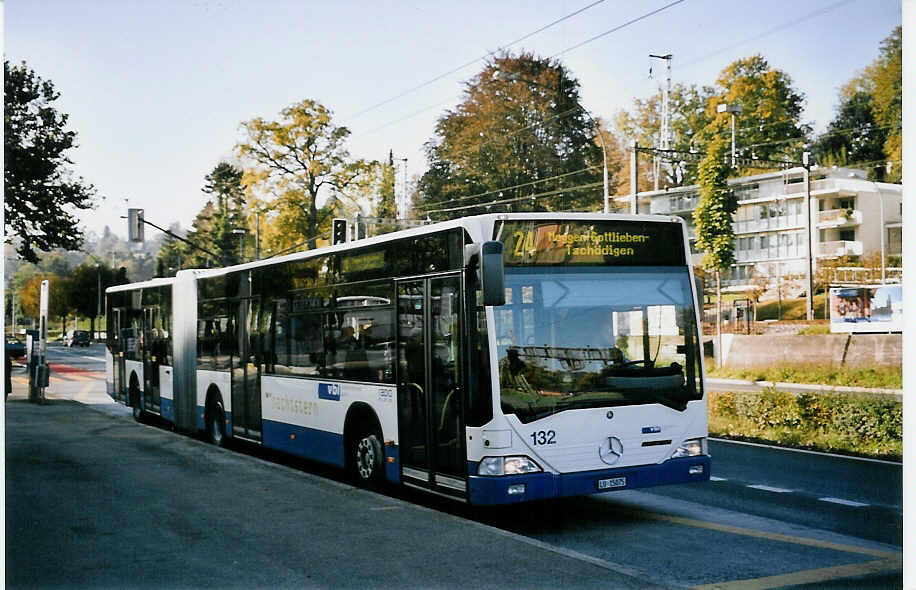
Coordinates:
<point>491,359</point>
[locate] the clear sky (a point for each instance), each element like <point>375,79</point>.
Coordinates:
<point>157,89</point>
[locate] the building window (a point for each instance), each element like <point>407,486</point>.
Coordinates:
<point>847,235</point>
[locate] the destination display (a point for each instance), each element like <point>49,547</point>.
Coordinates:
<point>606,243</point>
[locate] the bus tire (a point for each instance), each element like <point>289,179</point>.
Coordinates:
<point>368,458</point>
<point>136,401</point>
<point>216,419</point>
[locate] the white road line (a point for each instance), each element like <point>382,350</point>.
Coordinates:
<point>843,502</point>
<point>714,478</point>
<point>770,489</point>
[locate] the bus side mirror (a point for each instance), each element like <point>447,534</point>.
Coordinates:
<point>487,257</point>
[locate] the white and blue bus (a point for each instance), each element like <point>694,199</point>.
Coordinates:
<point>490,359</point>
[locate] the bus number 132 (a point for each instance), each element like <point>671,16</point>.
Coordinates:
<point>543,437</point>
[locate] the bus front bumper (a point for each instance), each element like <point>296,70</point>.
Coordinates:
<point>508,489</point>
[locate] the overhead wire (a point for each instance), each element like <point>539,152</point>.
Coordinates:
<point>483,57</point>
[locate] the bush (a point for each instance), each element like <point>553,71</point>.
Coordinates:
<point>858,424</point>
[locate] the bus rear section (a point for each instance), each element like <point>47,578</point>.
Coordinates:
<point>598,364</point>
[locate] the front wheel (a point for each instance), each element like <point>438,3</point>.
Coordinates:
<point>369,465</point>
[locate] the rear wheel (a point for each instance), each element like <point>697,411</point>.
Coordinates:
<point>368,458</point>
<point>136,400</point>
<point>216,418</point>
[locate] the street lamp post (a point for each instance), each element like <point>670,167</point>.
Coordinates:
<point>734,109</point>
<point>497,75</point>
<point>241,234</point>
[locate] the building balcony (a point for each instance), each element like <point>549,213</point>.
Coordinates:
<point>838,218</point>
<point>838,249</point>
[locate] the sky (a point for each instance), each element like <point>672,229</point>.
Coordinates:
<point>157,90</point>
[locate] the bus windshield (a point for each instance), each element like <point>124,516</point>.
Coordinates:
<point>584,337</point>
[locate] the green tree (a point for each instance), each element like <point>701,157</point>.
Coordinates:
<point>519,140</point>
<point>224,183</point>
<point>854,136</point>
<point>40,191</point>
<point>387,205</point>
<point>83,294</point>
<point>293,163</point>
<point>713,217</point>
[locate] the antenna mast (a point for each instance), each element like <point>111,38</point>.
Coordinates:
<point>665,135</point>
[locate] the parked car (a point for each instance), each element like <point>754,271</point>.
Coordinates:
<point>77,338</point>
<point>15,347</point>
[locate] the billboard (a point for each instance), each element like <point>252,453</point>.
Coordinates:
<point>866,309</point>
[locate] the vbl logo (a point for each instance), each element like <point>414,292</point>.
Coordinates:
<point>329,391</point>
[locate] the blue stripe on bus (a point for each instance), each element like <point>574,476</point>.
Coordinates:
<point>309,443</point>
<point>494,490</point>
<point>392,468</point>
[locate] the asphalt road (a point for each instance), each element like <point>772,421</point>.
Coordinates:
<point>142,506</point>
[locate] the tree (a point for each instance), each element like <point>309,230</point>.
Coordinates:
<point>519,140</point>
<point>769,126</point>
<point>85,289</point>
<point>387,206</point>
<point>40,191</point>
<point>227,217</point>
<point>687,106</point>
<point>867,130</point>
<point>291,163</point>
<point>713,218</point>
<point>30,297</point>
<point>853,136</point>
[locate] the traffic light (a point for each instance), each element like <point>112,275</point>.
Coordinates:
<point>135,225</point>
<point>338,231</point>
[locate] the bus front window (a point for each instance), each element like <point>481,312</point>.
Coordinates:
<point>595,337</point>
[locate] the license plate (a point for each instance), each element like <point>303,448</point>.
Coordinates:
<point>614,482</point>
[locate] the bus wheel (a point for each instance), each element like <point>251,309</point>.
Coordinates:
<point>369,464</point>
<point>216,418</point>
<point>136,401</point>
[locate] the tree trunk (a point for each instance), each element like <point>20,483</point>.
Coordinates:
<point>719,318</point>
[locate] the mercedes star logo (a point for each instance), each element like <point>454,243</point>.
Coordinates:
<point>611,450</point>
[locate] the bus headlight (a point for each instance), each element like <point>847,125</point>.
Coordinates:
<point>690,448</point>
<point>513,465</point>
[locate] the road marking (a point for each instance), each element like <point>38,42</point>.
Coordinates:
<point>843,502</point>
<point>809,576</point>
<point>770,489</point>
<point>805,451</point>
<point>714,478</point>
<point>735,530</point>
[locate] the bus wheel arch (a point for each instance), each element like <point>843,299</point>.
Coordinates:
<point>364,446</point>
<point>134,396</point>
<point>215,417</point>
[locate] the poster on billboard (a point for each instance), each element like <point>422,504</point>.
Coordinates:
<point>867,308</point>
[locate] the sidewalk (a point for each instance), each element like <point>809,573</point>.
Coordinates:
<point>719,383</point>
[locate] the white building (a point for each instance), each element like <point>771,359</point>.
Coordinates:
<point>848,213</point>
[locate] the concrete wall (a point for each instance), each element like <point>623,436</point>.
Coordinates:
<point>835,350</point>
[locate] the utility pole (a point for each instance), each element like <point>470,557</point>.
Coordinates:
<point>665,139</point>
<point>809,300</point>
<point>634,177</point>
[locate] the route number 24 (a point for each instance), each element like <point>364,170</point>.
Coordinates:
<point>543,437</point>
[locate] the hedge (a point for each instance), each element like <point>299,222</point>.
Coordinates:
<point>858,424</point>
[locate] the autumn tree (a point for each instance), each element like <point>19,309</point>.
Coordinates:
<point>688,114</point>
<point>41,192</point>
<point>520,140</point>
<point>769,126</point>
<point>299,168</point>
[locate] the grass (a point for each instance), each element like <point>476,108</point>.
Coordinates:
<point>736,428</point>
<point>880,377</point>
<point>790,309</point>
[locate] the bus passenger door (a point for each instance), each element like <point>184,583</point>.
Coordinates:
<point>246,394</point>
<point>430,412</point>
